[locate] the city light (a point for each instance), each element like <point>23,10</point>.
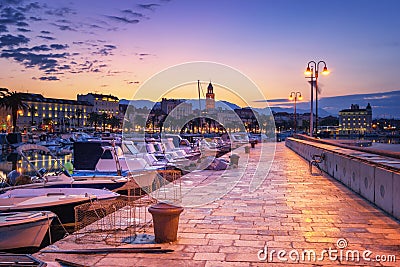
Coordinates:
<point>308,71</point>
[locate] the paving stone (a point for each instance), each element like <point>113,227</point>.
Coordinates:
<point>204,248</point>
<point>223,236</point>
<point>209,256</point>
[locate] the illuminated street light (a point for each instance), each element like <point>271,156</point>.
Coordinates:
<point>312,72</point>
<point>295,96</point>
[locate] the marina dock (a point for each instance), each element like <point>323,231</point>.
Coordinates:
<point>292,211</point>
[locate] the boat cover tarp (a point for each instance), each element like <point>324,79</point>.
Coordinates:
<point>86,155</point>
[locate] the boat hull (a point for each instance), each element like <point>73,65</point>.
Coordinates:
<point>65,212</point>
<point>24,233</point>
<point>61,201</point>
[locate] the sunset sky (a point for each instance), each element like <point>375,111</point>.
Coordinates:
<point>62,48</point>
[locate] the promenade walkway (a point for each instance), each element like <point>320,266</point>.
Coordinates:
<point>292,211</point>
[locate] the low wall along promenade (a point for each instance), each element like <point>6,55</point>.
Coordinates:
<point>374,177</point>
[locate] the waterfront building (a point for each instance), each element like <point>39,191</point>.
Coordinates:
<point>179,107</point>
<point>108,104</point>
<point>210,97</point>
<point>226,117</point>
<point>282,117</point>
<point>355,120</point>
<point>249,119</point>
<point>48,113</point>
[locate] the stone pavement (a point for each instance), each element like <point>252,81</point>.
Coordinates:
<point>292,211</point>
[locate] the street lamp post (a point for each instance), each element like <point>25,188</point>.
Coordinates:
<point>295,96</point>
<point>312,70</point>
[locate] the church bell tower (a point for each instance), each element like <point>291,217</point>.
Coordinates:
<point>210,97</point>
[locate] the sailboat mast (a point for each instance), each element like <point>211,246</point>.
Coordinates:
<point>198,89</point>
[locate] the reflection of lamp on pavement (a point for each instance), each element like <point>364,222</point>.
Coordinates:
<point>295,96</point>
<point>312,72</point>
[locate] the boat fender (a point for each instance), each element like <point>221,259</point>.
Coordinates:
<point>69,167</point>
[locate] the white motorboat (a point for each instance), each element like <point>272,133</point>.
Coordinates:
<point>24,229</point>
<point>57,176</point>
<point>94,158</point>
<point>61,201</point>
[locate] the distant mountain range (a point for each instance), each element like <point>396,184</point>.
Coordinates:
<point>384,105</point>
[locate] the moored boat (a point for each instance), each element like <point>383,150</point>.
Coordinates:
<point>61,201</point>
<point>24,229</point>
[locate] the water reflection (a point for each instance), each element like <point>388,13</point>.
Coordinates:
<point>386,140</point>
<point>10,161</point>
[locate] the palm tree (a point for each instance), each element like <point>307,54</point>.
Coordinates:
<point>127,126</point>
<point>93,119</point>
<point>139,120</point>
<point>13,101</point>
<point>153,121</point>
<point>49,122</point>
<point>114,122</point>
<point>229,126</point>
<point>78,114</point>
<point>32,110</point>
<point>73,121</point>
<point>104,120</point>
<point>3,91</point>
<point>158,117</point>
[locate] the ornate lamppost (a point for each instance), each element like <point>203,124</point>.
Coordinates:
<point>295,96</point>
<point>312,70</point>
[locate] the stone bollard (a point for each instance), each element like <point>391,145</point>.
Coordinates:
<point>247,149</point>
<point>165,221</point>
<point>253,144</point>
<point>234,159</point>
